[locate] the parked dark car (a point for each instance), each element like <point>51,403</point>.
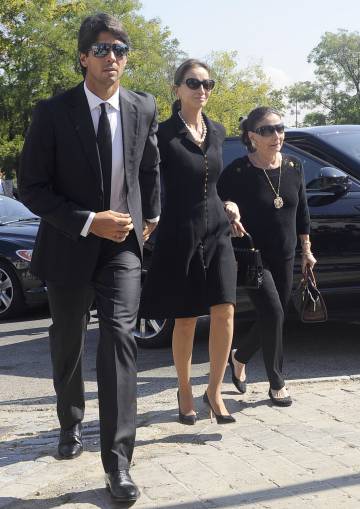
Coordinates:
<point>18,287</point>
<point>330,156</point>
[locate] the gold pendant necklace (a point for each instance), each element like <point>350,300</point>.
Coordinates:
<point>278,201</point>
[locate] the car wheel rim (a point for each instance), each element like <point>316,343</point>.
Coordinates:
<point>6,291</point>
<point>148,328</point>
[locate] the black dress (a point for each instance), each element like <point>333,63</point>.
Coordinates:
<point>193,265</point>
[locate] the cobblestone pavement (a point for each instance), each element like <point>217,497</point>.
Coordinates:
<point>305,456</point>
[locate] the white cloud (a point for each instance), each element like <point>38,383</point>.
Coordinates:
<point>278,77</point>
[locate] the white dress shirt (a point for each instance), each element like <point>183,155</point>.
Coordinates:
<point>118,202</point>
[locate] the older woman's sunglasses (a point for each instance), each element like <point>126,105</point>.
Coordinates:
<point>194,84</point>
<point>269,130</point>
<point>101,49</point>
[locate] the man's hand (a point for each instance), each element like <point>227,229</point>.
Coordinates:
<point>111,225</point>
<point>148,228</point>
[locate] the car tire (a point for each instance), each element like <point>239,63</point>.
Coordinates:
<point>11,295</point>
<point>151,333</point>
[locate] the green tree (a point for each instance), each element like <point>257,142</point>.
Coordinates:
<point>238,91</point>
<point>314,118</point>
<point>39,58</point>
<point>336,90</point>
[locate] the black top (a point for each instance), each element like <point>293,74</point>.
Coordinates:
<point>274,231</point>
<point>193,265</point>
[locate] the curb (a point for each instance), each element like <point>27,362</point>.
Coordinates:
<point>317,380</point>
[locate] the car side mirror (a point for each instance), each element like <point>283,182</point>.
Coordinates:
<point>330,180</point>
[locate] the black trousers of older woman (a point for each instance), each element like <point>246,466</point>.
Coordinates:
<point>270,302</point>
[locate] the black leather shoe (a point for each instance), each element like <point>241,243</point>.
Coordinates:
<point>241,386</point>
<point>70,443</point>
<point>121,486</point>
<point>287,401</point>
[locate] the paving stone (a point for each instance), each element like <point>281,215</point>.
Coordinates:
<point>307,456</point>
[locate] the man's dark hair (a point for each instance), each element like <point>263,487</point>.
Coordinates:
<point>92,26</point>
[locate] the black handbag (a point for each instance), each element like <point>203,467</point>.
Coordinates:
<point>250,271</point>
<point>308,300</point>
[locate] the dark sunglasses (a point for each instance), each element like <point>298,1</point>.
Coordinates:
<point>101,49</point>
<point>194,84</point>
<point>268,130</point>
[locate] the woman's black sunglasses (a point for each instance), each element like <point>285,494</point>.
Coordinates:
<point>194,84</point>
<point>268,130</point>
<point>101,49</point>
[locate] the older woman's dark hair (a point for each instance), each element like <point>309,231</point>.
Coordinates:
<point>251,122</point>
<point>92,26</point>
<point>180,74</point>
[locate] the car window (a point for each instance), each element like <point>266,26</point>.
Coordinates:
<point>12,210</point>
<point>233,148</point>
<point>311,165</point>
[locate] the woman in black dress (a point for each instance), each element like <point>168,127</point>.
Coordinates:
<point>193,267</point>
<point>269,191</point>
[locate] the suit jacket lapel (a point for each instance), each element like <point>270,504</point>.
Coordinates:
<point>81,116</point>
<point>130,125</point>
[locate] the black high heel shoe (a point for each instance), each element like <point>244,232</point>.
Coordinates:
<point>241,386</point>
<point>185,419</point>
<point>220,419</point>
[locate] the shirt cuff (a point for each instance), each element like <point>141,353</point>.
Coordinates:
<point>153,220</point>
<point>85,231</point>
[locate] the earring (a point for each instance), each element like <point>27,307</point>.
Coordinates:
<point>253,144</point>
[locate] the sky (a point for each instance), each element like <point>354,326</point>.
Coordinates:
<point>278,34</point>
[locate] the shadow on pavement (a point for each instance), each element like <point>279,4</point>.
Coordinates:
<point>100,498</point>
<point>318,350</point>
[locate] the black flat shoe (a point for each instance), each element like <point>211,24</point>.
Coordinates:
<point>70,442</point>
<point>189,420</point>
<point>241,386</point>
<point>287,401</point>
<point>121,486</point>
<point>220,419</point>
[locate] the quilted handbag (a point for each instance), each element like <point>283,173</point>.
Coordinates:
<point>250,270</point>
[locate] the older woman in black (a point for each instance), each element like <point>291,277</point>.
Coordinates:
<point>193,267</point>
<point>268,190</point>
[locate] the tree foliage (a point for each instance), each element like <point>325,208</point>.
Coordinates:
<point>237,92</point>
<point>38,59</point>
<point>336,91</point>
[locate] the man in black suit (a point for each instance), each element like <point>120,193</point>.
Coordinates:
<point>90,170</point>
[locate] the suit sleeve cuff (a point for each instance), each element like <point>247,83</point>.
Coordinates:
<point>153,220</point>
<point>85,231</point>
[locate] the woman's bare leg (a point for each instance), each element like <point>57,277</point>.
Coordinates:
<point>221,335</point>
<point>182,347</point>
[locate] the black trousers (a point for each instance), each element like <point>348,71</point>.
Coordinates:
<point>116,288</point>
<point>270,302</point>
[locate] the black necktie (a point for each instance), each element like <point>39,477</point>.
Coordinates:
<point>105,152</point>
